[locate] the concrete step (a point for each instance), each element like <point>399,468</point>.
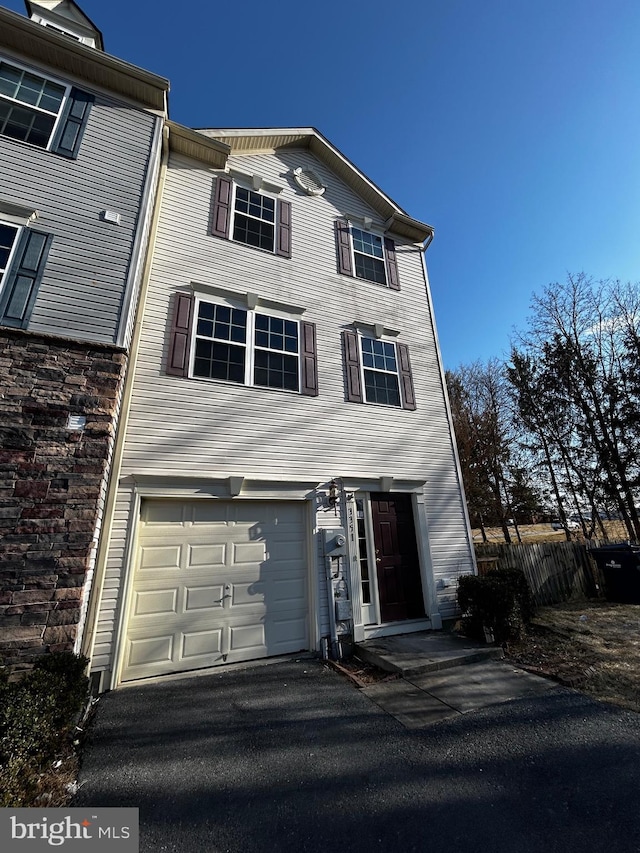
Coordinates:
<point>426,651</point>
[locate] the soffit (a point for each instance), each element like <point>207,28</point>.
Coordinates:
<point>84,63</point>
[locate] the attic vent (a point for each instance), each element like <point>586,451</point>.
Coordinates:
<point>308,181</point>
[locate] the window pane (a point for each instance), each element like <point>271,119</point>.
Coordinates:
<point>269,333</point>
<point>369,244</point>
<point>370,268</point>
<point>221,322</point>
<point>276,370</point>
<point>381,388</point>
<point>7,236</point>
<point>205,328</point>
<point>9,80</point>
<point>215,360</point>
<point>253,232</point>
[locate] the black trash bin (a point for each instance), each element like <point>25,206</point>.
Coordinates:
<point>619,567</point>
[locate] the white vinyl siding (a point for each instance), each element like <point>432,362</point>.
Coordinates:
<point>176,426</point>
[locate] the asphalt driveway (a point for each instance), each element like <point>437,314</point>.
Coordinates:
<point>292,757</point>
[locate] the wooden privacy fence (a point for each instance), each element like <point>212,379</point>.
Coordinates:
<point>556,571</point>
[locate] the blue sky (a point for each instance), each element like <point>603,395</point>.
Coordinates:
<point>512,127</point>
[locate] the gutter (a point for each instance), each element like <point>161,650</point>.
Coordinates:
<point>88,640</point>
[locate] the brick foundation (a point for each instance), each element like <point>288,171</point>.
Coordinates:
<point>52,484</point>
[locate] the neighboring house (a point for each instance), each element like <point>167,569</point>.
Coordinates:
<point>80,142</point>
<point>288,476</point>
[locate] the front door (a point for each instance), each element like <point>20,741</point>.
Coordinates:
<point>396,556</point>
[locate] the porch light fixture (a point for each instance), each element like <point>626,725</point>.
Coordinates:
<point>333,493</point>
<point>386,484</point>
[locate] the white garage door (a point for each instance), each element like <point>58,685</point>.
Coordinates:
<point>216,582</point>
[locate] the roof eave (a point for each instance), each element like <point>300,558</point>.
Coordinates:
<point>42,44</point>
<point>184,140</point>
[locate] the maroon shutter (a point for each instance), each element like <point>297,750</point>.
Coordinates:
<point>221,214</point>
<point>309,358</point>
<point>352,366</point>
<point>343,241</point>
<point>406,380</point>
<point>392,265</point>
<point>283,235</point>
<point>178,358</point>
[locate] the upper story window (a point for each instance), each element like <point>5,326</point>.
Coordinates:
<point>366,255</point>
<point>29,105</point>
<point>254,219</point>
<point>380,372</point>
<point>41,111</point>
<point>250,217</point>
<point>377,371</point>
<point>243,346</point>
<point>214,340</point>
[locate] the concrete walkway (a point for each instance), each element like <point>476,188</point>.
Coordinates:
<point>443,675</point>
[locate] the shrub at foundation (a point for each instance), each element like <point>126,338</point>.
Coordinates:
<point>37,719</point>
<point>498,604</point>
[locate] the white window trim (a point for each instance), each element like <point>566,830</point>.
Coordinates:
<point>232,219</point>
<point>249,345</point>
<point>49,79</point>
<point>384,340</point>
<point>12,253</point>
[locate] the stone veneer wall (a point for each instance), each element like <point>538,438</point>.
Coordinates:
<point>52,483</point>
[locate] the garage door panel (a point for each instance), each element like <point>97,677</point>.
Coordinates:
<point>155,602</point>
<point>151,650</point>
<point>156,513</point>
<point>286,632</point>
<point>216,582</point>
<point>204,597</point>
<point>159,557</point>
<point>195,644</point>
<point>248,552</point>
<point>248,638</point>
<point>205,555</point>
<point>290,590</point>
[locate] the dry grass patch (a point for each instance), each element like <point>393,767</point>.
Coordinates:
<point>545,533</point>
<point>594,646</point>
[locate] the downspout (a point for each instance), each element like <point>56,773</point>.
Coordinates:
<point>445,393</point>
<point>88,640</point>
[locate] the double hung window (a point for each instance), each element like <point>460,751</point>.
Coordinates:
<point>216,340</point>
<point>29,105</point>
<point>43,112</point>
<point>380,372</point>
<point>253,218</point>
<point>377,371</point>
<point>366,255</point>
<point>248,347</point>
